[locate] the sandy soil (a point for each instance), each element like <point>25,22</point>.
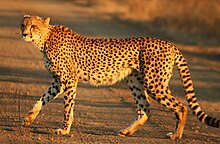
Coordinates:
<point>100,111</point>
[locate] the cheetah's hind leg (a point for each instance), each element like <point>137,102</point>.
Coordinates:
<point>171,103</point>
<point>142,101</point>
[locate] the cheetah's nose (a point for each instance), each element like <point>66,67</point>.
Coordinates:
<point>24,35</point>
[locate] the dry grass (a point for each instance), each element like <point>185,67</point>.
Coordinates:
<point>194,15</point>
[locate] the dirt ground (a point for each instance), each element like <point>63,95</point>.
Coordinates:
<point>100,112</point>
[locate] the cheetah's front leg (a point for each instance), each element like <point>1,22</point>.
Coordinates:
<point>54,91</point>
<point>69,102</point>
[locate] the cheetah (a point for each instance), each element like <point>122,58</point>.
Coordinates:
<point>147,64</point>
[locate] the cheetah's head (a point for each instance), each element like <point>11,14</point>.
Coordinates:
<point>33,28</point>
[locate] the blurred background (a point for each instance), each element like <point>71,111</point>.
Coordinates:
<point>194,22</point>
<point>184,21</point>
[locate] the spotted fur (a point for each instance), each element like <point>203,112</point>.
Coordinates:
<point>146,62</point>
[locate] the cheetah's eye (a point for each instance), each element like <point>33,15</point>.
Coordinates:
<point>33,26</point>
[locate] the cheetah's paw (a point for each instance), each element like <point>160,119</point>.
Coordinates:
<point>125,132</point>
<point>173,135</point>
<point>61,131</point>
<point>29,118</point>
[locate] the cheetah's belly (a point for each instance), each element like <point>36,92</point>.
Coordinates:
<point>106,77</point>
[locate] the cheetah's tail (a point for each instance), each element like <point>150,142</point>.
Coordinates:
<point>189,92</point>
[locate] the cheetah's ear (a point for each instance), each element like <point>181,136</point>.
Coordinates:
<point>47,21</point>
<point>27,16</point>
